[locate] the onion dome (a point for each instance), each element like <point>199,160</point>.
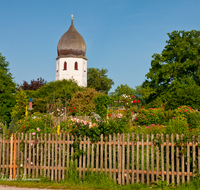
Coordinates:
<point>71,44</point>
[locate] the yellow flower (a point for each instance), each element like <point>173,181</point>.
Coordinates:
<point>58,129</point>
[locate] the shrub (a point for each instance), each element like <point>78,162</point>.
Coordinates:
<point>149,116</point>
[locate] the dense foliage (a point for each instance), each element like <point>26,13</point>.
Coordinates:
<point>179,63</point>
<point>34,84</point>
<point>7,90</point>
<point>98,79</point>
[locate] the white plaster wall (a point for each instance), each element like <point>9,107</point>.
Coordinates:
<point>79,75</point>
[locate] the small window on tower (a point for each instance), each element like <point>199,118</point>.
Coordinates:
<point>76,66</point>
<point>65,66</point>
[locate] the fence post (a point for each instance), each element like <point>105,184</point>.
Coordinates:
<point>11,153</point>
<point>15,152</point>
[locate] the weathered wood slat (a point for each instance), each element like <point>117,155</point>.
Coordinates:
<point>45,153</point>
<point>48,159</point>
<point>142,162</point>
<point>137,160</point>
<point>84,155</point>
<point>172,159</point>
<point>132,159</point>
<point>29,156</point>
<point>105,155</point>
<point>59,162</point>
<point>25,156</point>
<point>63,156</point>
<point>110,157</point>
<point>119,158</point>
<point>37,156</point>
<point>147,159</point>
<point>167,158</point>
<point>177,162</point>
<point>157,159</point>
<point>188,161</point>
<point>56,158</point>
<point>123,159</point>
<point>97,157</point>
<point>182,160</point>
<point>114,157</point>
<point>80,159</point>
<point>52,159</point>
<point>127,158</point>
<point>101,155</point>
<point>162,158</point>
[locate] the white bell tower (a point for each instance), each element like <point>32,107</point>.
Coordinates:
<point>71,61</point>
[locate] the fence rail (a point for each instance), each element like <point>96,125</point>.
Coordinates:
<point>126,158</point>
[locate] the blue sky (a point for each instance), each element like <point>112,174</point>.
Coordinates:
<point>120,35</point>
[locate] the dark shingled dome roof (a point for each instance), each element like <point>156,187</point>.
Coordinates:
<point>71,43</point>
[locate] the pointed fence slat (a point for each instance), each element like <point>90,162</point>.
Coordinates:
<point>172,159</point>
<point>157,159</point>
<point>182,160</point>
<point>123,159</point>
<point>128,157</point>
<point>101,154</point>
<point>152,157</point>
<point>114,157</point>
<point>119,157</point>
<point>133,160</point>
<point>147,159</point>
<point>45,153</point>
<point>63,156</point>
<point>167,158</point>
<point>142,158</point>
<point>137,160</point>
<point>177,162</point>
<point>110,157</point>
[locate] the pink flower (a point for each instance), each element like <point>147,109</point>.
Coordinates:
<point>85,122</point>
<point>31,163</point>
<point>27,159</point>
<point>38,129</point>
<point>33,133</point>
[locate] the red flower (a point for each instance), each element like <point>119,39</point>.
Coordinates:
<point>109,115</point>
<point>134,101</point>
<point>138,101</point>
<point>136,118</point>
<point>74,107</point>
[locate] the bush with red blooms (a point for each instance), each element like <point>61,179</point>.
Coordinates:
<point>72,111</point>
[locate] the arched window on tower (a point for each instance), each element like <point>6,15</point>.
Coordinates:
<point>76,66</point>
<point>65,66</point>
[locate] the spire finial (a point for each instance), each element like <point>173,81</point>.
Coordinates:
<point>72,17</point>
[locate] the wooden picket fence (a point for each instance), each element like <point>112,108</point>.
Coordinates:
<point>123,157</point>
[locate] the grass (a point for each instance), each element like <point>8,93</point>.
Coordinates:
<point>94,181</point>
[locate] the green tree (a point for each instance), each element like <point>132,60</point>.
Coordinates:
<point>51,92</point>
<point>7,91</point>
<point>18,111</point>
<point>98,79</point>
<point>83,101</point>
<point>123,89</point>
<point>102,102</point>
<point>179,60</point>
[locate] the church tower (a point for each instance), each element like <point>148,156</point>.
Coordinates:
<point>71,61</point>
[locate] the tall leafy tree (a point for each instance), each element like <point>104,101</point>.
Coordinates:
<point>98,79</point>
<point>7,91</point>
<point>179,60</point>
